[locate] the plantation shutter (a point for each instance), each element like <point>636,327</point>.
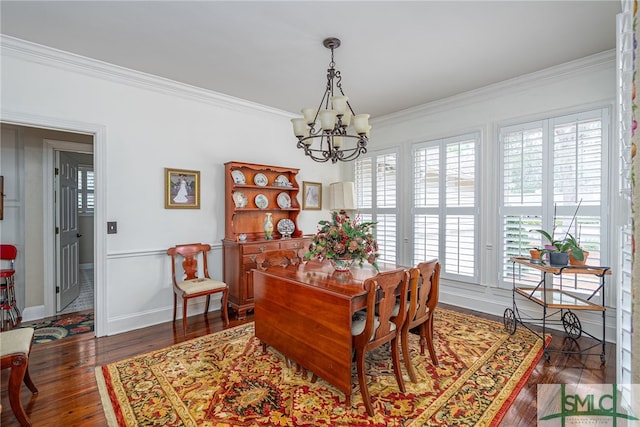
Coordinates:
<point>552,169</point>
<point>86,197</point>
<point>444,202</point>
<point>376,194</point>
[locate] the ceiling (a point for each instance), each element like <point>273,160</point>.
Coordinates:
<point>394,54</point>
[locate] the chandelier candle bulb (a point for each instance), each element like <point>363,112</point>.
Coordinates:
<point>337,141</point>
<point>309,114</point>
<point>327,119</point>
<point>339,103</point>
<point>361,123</point>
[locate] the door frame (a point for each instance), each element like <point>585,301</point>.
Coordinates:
<point>99,133</point>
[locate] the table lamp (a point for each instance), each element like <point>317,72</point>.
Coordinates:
<point>342,196</point>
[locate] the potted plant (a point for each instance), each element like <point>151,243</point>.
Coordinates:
<point>559,250</point>
<point>535,254</point>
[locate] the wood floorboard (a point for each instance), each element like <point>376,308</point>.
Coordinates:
<point>64,371</point>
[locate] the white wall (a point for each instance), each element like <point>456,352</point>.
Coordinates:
<point>144,124</point>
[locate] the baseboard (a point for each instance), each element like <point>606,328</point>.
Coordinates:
<point>33,313</point>
<point>128,323</point>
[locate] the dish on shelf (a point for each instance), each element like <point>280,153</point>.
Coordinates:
<point>238,177</point>
<point>286,227</point>
<point>284,201</point>
<point>282,181</point>
<point>240,199</point>
<point>261,201</point>
<point>260,179</point>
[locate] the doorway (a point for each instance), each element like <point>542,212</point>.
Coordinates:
<point>42,259</point>
<point>70,202</point>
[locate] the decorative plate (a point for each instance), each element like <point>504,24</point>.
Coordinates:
<point>261,201</point>
<point>260,179</point>
<point>240,199</point>
<point>238,177</point>
<point>282,181</point>
<point>286,227</point>
<point>284,201</point>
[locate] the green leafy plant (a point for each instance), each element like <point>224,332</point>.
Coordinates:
<point>344,238</point>
<point>568,243</point>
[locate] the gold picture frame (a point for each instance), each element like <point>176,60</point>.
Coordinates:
<point>181,189</point>
<point>311,195</point>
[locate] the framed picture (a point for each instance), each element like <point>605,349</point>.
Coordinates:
<point>181,189</point>
<point>311,195</point>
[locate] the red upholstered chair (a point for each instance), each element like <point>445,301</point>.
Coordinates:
<point>424,285</point>
<point>15,346</point>
<point>192,286</point>
<point>10,311</point>
<point>379,325</point>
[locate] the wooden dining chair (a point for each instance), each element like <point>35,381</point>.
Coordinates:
<point>281,257</point>
<point>193,286</point>
<point>379,326</point>
<point>424,282</point>
<point>15,346</point>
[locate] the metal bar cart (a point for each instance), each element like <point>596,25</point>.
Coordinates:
<point>557,301</point>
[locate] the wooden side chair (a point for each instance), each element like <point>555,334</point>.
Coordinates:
<point>192,286</point>
<point>282,257</point>
<point>15,346</point>
<point>379,326</point>
<point>424,285</point>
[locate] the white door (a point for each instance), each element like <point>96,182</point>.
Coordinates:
<point>67,233</point>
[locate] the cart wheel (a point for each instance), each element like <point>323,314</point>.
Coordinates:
<point>547,356</point>
<point>571,324</point>
<point>509,320</point>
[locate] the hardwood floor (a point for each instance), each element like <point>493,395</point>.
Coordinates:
<point>63,371</point>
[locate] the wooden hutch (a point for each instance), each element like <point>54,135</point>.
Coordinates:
<point>252,191</point>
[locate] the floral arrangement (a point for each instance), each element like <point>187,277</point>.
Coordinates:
<point>344,238</point>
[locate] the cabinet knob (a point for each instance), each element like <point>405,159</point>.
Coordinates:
<point>252,258</point>
<point>262,248</point>
<point>296,245</point>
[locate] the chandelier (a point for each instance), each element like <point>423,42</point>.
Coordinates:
<point>323,133</point>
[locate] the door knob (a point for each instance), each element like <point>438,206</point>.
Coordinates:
<point>78,235</point>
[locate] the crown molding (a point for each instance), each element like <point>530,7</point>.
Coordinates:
<point>36,53</point>
<point>590,63</point>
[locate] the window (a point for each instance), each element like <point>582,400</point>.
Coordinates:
<point>445,199</point>
<point>86,198</point>
<point>551,171</point>
<point>376,184</point>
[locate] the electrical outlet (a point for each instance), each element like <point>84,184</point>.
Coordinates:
<point>112,227</point>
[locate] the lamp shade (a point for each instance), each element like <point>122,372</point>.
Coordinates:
<point>342,196</point>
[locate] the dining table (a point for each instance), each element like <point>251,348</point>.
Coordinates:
<point>304,312</point>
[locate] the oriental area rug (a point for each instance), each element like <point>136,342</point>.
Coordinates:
<point>61,327</point>
<point>224,379</point>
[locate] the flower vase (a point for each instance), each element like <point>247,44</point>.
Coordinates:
<point>341,264</point>
<point>268,226</point>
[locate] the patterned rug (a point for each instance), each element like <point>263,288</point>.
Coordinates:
<point>224,379</point>
<point>61,327</point>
